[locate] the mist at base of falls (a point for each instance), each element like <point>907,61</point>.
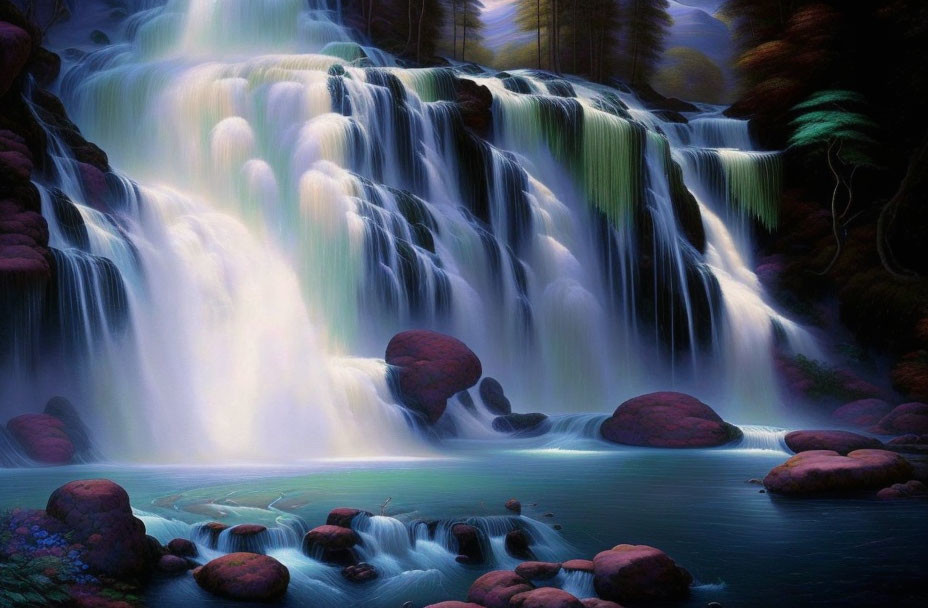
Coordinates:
<point>288,199</point>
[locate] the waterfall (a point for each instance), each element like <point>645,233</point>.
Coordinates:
<point>288,198</point>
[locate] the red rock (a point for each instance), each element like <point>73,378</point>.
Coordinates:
<point>454,604</point>
<point>43,438</point>
<point>638,573</point>
<point>595,602</point>
<point>910,439</point>
<point>538,571</point>
<point>332,544</point>
<point>905,418</point>
<point>821,471</point>
<point>469,543</point>
<point>182,547</point>
<point>15,48</point>
<point>582,565</point>
<point>343,516</point>
<point>360,573</point>
<point>495,589</point>
<point>99,513</point>
<point>862,413</point>
<point>247,530</point>
<point>244,576</point>
<point>518,544</point>
<point>172,564</point>
<point>667,420</point>
<point>545,597</point>
<point>841,442</point>
<point>431,367</point>
<point>513,505</point>
<point>910,489</point>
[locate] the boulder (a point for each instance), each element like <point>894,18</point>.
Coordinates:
<point>823,471</point>
<point>250,538</point>
<point>474,102</point>
<point>74,427</point>
<point>513,505</point>
<point>841,442</point>
<point>428,368</point>
<point>668,420</point>
<point>454,604</point>
<point>910,489</point>
<point>491,393</point>
<point>212,530</point>
<point>544,597</point>
<point>518,544</point>
<point>360,573</point>
<point>638,573</point>
<point>861,413</point>
<point>581,565</point>
<point>43,438</point>
<point>595,602</point>
<point>470,543</point>
<point>467,401</point>
<point>538,571</point>
<point>244,576</point>
<point>495,589</point>
<point>172,564</point>
<point>910,439</point>
<point>343,516</point>
<point>181,547</point>
<point>98,512</point>
<point>905,418</point>
<point>331,544</point>
<point>518,423</point>
<point>15,48</point>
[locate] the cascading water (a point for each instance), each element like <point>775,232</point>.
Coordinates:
<point>300,199</point>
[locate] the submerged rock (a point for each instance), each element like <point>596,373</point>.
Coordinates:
<point>332,544</point>
<point>360,573</point>
<point>639,573</point>
<point>538,571</point>
<point>43,438</point>
<point>430,367</point>
<point>823,471</point>
<point>544,597</point>
<point>861,413</point>
<point>668,420</point>
<point>518,544</point>
<point>905,418</point>
<point>495,589</point>
<point>493,397</point>
<point>841,442</point>
<point>182,547</point>
<point>454,604</point>
<point>518,423</point>
<point>172,564</point>
<point>244,576</point>
<point>98,511</point>
<point>910,489</point>
<point>470,543</point>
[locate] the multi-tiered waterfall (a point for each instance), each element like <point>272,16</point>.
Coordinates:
<point>291,198</point>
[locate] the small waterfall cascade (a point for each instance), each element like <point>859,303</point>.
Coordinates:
<point>296,198</point>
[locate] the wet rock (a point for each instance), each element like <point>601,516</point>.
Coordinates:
<point>172,564</point>
<point>250,538</point>
<point>331,544</point>
<point>595,602</point>
<point>668,420</point>
<point>45,67</point>
<point>15,48</point>
<point>99,37</point>
<point>513,505</point>
<point>905,418</point>
<point>581,565</point>
<point>74,427</point>
<point>244,576</point>
<point>212,530</point>
<point>99,513</point>
<point>823,471</point>
<point>43,438</point>
<point>518,544</point>
<point>467,401</point>
<point>519,423</point>
<point>841,442</point>
<point>360,573</point>
<point>475,104</point>
<point>470,545</point>
<point>910,489</point>
<point>495,589</point>
<point>428,368</point>
<point>861,413</point>
<point>493,397</point>
<point>638,573</point>
<point>910,439</point>
<point>538,571</point>
<point>181,547</point>
<point>545,597</point>
<point>343,516</point>
<point>454,604</point>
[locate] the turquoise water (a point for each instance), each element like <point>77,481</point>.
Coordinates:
<point>743,547</point>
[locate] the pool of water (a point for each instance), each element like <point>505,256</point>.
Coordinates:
<point>743,547</point>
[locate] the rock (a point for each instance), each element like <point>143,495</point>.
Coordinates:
<point>172,564</point>
<point>250,538</point>
<point>861,413</point>
<point>910,439</point>
<point>910,375</point>
<point>517,423</point>
<point>428,368</point>
<point>910,489</point>
<point>638,573</point>
<point>475,104</point>
<point>841,442</point>
<point>45,67</point>
<point>42,438</point>
<point>99,37</point>
<point>513,505</point>
<point>905,418</point>
<point>518,544</point>
<point>821,471</point>
<point>470,543</point>
<point>544,597</point>
<point>538,571</point>
<point>181,547</point>
<point>595,602</point>
<point>491,393</point>
<point>454,604</point>
<point>343,516</point>
<point>495,589</point>
<point>331,544</point>
<point>360,573</point>
<point>15,48</point>
<point>467,401</point>
<point>74,427</point>
<point>668,420</point>
<point>581,565</point>
<point>244,576</point>
<point>99,513</point>
<point>212,530</point>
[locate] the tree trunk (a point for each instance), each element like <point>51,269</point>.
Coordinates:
<point>419,33</point>
<point>538,30</point>
<point>370,17</point>
<point>635,37</point>
<point>454,26</point>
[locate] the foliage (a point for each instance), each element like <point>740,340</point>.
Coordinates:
<point>690,74</point>
<point>824,382</point>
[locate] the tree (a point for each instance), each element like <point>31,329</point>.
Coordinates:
<point>646,23</point>
<point>690,74</point>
